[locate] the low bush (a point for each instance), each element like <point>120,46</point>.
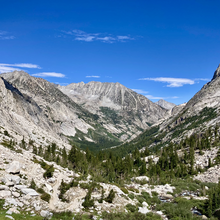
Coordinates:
<point>46,197</point>
<point>110,196</point>
<point>131,208</point>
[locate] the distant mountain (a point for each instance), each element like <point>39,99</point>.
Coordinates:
<point>165,104</point>
<point>96,116</point>
<point>121,110</point>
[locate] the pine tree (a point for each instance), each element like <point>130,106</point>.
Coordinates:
<point>143,170</point>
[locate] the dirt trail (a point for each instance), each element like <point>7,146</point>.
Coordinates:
<point>54,197</point>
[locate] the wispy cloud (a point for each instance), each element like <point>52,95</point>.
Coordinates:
<point>160,97</point>
<point>92,76</point>
<point>49,74</point>
<point>172,82</point>
<point>4,35</point>
<point>140,91</point>
<point>176,82</point>
<point>154,97</point>
<point>89,37</point>
<point>5,67</point>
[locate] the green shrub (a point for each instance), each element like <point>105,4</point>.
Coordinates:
<point>88,201</point>
<point>133,189</point>
<point>33,184</point>
<point>110,196</point>
<point>131,208</point>
<point>46,197</point>
<point>40,190</point>
<point>2,202</point>
<point>124,190</point>
<point>49,172</point>
<point>131,196</point>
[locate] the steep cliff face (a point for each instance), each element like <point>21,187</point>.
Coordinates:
<point>20,114</point>
<point>133,112</point>
<point>208,96</point>
<point>200,112</point>
<point>61,112</point>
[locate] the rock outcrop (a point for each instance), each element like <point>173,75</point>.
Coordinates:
<point>165,104</point>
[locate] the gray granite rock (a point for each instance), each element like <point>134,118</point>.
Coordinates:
<point>28,191</point>
<point>5,194</point>
<point>14,167</point>
<point>46,214</point>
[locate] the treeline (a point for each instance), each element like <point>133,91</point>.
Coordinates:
<point>154,136</point>
<point>178,160</point>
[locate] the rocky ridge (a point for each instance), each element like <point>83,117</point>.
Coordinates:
<point>121,110</point>
<point>202,109</point>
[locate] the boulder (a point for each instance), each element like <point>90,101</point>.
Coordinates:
<point>3,187</point>
<point>46,214</point>
<point>5,194</point>
<point>28,191</point>
<point>11,201</point>
<point>20,186</point>
<point>167,196</point>
<point>16,194</point>
<point>143,210</point>
<point>15,179</point>
<point>10,184</point>
<point>49,187</point>
<point>14,210</point>
<point>14,167</point>
<point>51,180</point>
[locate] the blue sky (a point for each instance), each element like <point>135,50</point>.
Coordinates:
<point>161,49</point>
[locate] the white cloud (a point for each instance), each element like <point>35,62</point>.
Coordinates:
<point>27,65</point>
<point>172,82</point>
<point>24,65</point>
<point>5,36</point>
<point>140,91</point>
<point>86,38</point>
<point>5,67</point>
<point>153,97</point>
<point>89,37</point>
<point>106,39</point>
<point>123,37</point>
<point>92,76</point>
<point>49,74</point>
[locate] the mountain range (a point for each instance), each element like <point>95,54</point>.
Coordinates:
<point>95,115</point>
<point>161,162</point>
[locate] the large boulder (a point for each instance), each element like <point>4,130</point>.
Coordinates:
<point>4,194</point>
<point>46,214</point>
<point>30,192</point>
<point>14,167</point>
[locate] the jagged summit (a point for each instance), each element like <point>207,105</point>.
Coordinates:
<point>165,104</point>
<point>216,73</point>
